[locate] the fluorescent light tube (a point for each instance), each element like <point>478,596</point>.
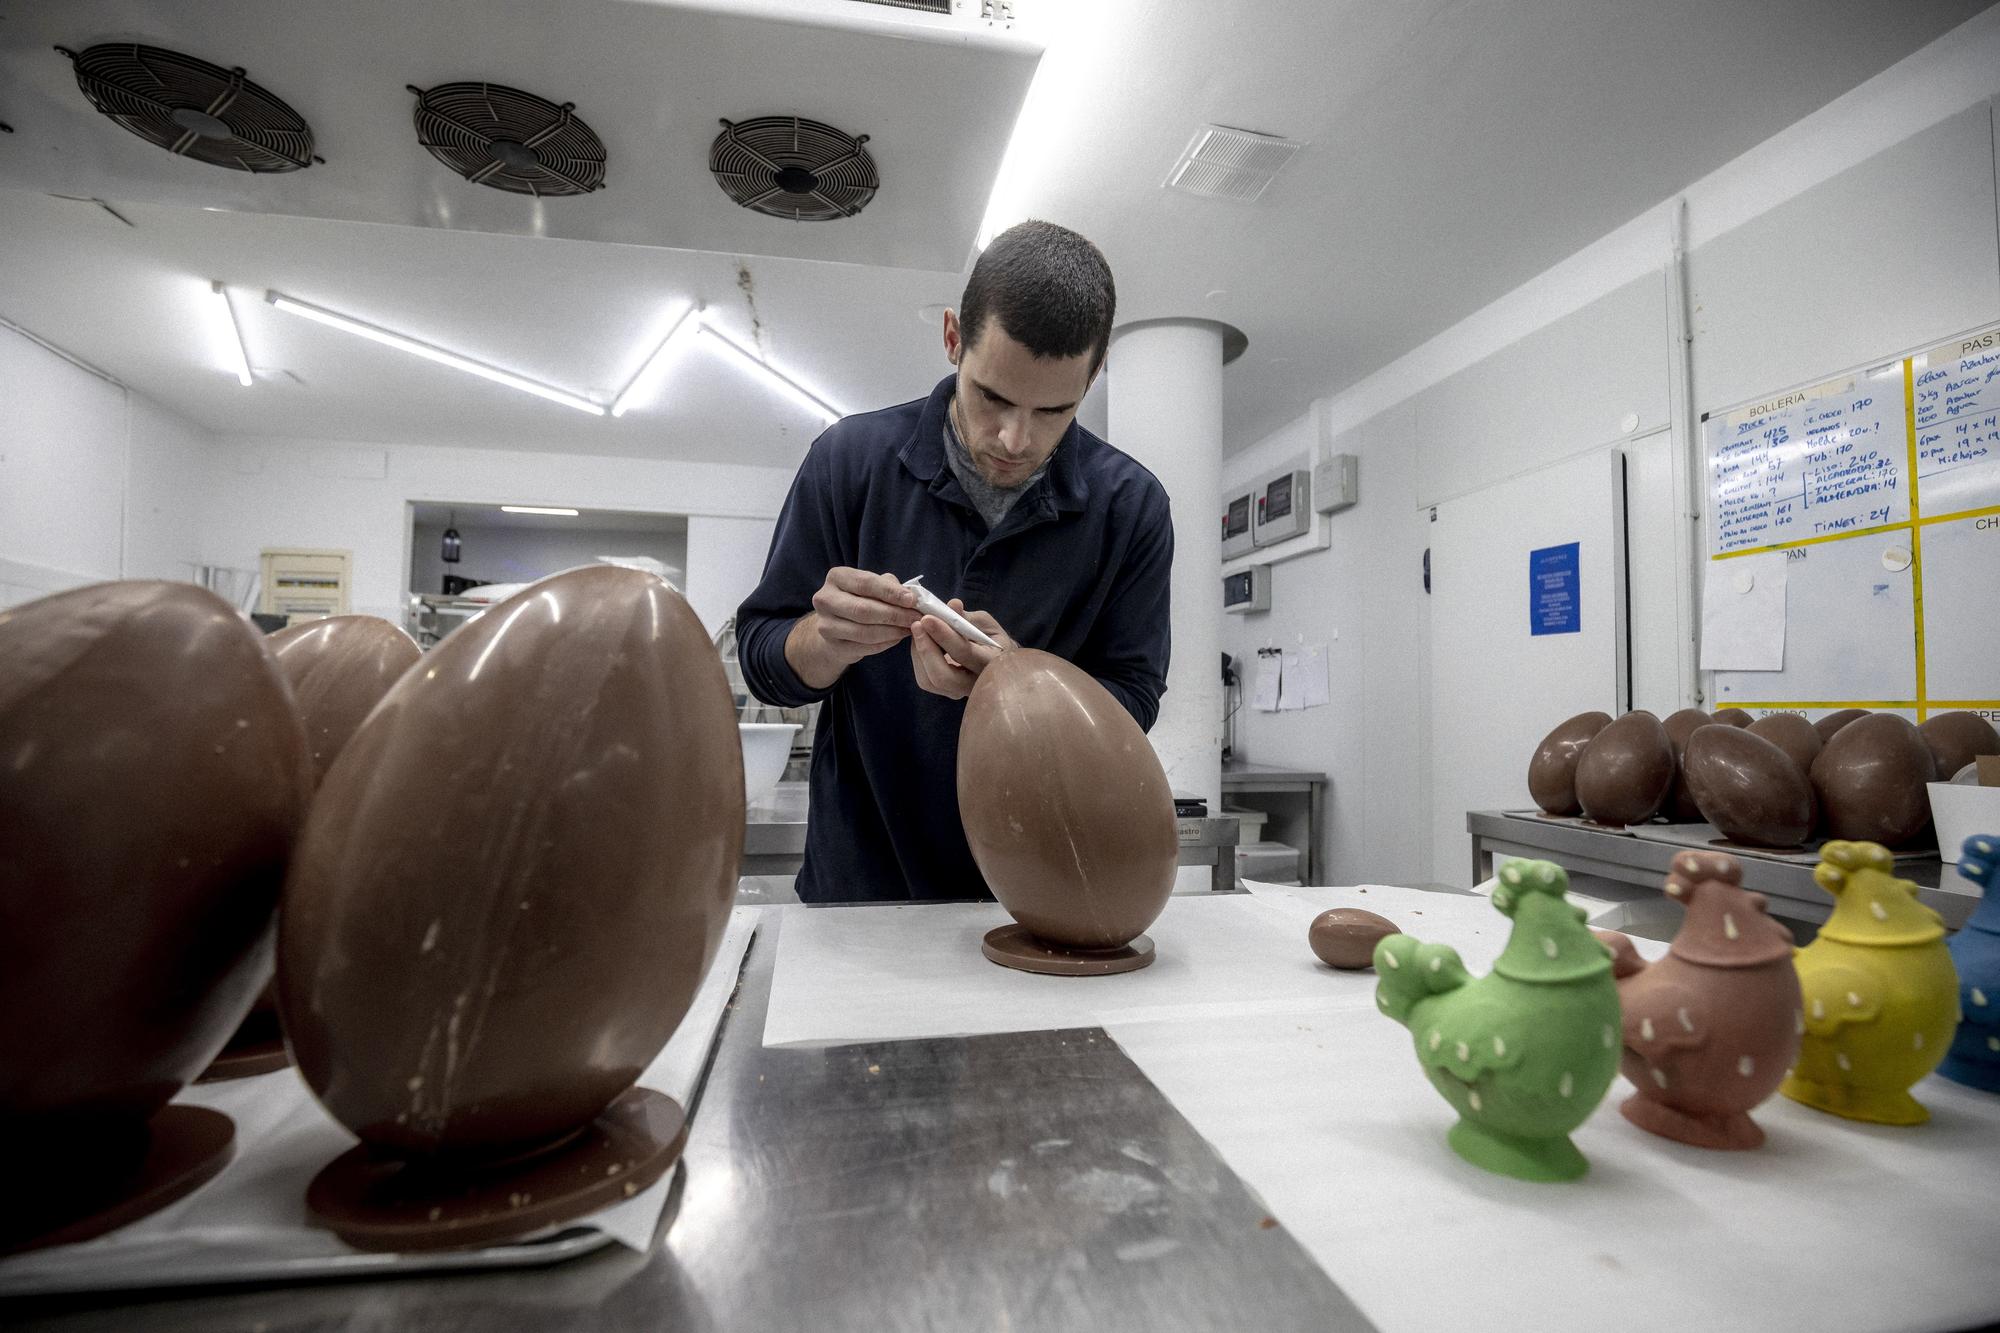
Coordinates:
<point>425,350</point>
<point>537,509</point>
<point>232,332</point>
<point>786,386</point>
<point>685,326</point>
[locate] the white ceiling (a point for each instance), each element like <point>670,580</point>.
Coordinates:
<point>482,517</point>
<point>1455,148</point>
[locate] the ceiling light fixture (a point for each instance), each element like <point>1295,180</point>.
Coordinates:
<point>685,326</point>
<point>777,379</point>
<point>232,335</point>
<point>400,342</point>
<point>537,509</point>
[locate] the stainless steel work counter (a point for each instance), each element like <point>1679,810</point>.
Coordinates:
<point>1030,1180</point>
<point>1628,859</point>
<point>774,839</point>
<point>1241,778</point>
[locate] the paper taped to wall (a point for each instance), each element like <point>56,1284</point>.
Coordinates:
<point>1743,613</point>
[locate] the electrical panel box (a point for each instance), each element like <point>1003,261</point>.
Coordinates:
<point>1283,511</point>
<point>1336,483</point>
<point>1247,589</point>
<point>305,585</point>
<point>1237,538</point>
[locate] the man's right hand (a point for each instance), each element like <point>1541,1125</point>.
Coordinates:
<point>855,614</point>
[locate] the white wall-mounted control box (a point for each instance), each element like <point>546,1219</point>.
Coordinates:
<point>1248,589</point>
<point>1237,538</point>
<point>1283,511</point>
<point>1336,483</point>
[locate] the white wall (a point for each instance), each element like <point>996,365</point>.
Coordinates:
<point>1867,229</point>
<point>725,559</point>
<point>522,555</point>
<point>96,482</point>
<point>264,493</point>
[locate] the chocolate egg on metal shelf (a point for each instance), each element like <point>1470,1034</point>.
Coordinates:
<point>1552,771</point>
<point>1956,739</point>
<point>1798,738</point>
<point>1870,780</point>
<point>1748,788</point>
<point>517,871</point>
<point>1065,804</point>
<point>1679,805</point>
<point>1626,771</point>
<point>1831,724</point>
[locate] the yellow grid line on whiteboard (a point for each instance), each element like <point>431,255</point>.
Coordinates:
<point>1811,541</point>
<point>1856,703</point>
<point>1963,513</point>
<point>1916,530</point>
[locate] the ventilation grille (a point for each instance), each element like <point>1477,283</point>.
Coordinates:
<point>927,6</point>
<point>793,168</point>
<point>1223,163</point>
<point>509,140</point>
<point>192,108</point>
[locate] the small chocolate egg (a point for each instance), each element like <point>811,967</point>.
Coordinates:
<point>1956,739</point>
<point>1748,788</point>
<point>1833,722</point>
<point>1345,937</point>
<point>1870,779</point>
<point>1791,733</point>
<point>1626,771</point>
<point>339,668</point>
<point>1679,805</point>
<point>1065,804</point>
<point>1732,717</point>
<point>1552,772</point>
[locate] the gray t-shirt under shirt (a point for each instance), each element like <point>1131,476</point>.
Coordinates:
<point>991,501</point>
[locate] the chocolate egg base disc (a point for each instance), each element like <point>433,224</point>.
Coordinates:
<point>246,1060</point>
<point>390,1204</point>
<point>187,1146</point>
<point>1012,946</point>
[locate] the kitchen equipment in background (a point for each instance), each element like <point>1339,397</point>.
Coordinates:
<point>1248,589</point>
<point>238,587</point>
<point>1236,537</point>
<point>749,710</point>
<point>767,748</point>
<point>451,548</point>
<point>1336,483</point>
<point>192,108</point>
<point>305,584</point>
<point>1283,511</point>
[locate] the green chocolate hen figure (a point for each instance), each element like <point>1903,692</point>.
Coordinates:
<point>1525,1053</point>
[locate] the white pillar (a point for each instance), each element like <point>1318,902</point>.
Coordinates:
<point>1165,380</point>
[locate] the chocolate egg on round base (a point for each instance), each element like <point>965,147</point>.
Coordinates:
<point>258,1046</point>
<point>155,778</point>
<point>472,972</point>
<point>1748,788</point>
<point>1956,739</point>
<point>1014,946</point>
<point>1552,772</point>
<point>1066,808</point>
<point>1626,771</point>
<point>1871,780</point>
<point>1679,806</point>
<point>1345,937</point>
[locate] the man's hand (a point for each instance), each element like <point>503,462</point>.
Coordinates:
<point>947,662</point>
<point>855,614</point>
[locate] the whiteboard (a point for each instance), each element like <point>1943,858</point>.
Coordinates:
<point>1882,486</point>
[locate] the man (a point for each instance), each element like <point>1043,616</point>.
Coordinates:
<point>992,492</point>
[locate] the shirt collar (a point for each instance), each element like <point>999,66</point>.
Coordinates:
<point>923,454</point>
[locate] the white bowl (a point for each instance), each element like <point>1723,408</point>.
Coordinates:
<point>1959,812</point>
<point>767,746</point>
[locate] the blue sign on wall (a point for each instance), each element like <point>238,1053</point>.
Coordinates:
<point>1554,598</point>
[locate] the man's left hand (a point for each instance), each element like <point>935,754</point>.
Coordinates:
<point>947,662</point>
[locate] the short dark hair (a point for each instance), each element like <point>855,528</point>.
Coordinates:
<point>1049,288</point>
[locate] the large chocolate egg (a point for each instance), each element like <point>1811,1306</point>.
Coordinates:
<point>1798,738</point>
<point>338,669</point>
<point>1831,724</point>
<point>1679,805</point>
<point>1955,739</point>
<point>1065,805</point>
<point>153,776</point>
<point>1626,771</point>
<point>1870,779</point>
<point>1748,788</point>
<point>1552,772</point>
<point>517,871</point>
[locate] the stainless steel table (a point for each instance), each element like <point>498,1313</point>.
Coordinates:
<point>774,839</point>
<point>1240,778</point>
<point>1031,1180</point>
<point>1628,859</point>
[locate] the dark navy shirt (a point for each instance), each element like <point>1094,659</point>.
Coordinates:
<point>1079,567</point>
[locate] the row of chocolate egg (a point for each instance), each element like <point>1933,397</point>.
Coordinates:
<point>1847,1025</point>
<point>1772,782</point>
<point>578,739</point>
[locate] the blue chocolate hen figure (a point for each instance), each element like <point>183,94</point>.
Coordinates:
<point>1975,951</point>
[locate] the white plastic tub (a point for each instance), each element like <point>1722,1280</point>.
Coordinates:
<point>1960,812</point>
<point>766,748</point>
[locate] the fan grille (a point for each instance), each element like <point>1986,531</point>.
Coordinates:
<point>192,108</point>
<point>789,167</point>
<point>510,140</point>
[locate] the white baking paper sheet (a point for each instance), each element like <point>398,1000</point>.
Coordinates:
<point>250,1224</point>
<point>890,973</point>
<point>1831,1225</point>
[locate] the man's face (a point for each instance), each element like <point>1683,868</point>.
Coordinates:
<point>1013,406</point>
